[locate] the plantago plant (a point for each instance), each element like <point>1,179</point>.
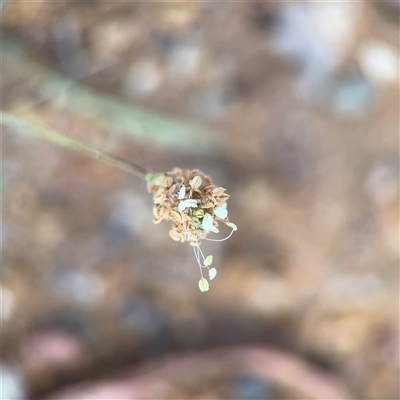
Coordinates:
<point>186,197</point>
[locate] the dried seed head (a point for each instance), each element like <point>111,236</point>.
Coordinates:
<point>194,204</point>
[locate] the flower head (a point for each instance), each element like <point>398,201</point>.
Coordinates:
<point>195,205</point>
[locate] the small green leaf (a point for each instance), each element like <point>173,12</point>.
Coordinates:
<point>231,225</point>
<point>203,285</point>
<point>212,273</point>
<point>208,261</point>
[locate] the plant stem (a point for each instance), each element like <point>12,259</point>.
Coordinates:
<point>73,144</point>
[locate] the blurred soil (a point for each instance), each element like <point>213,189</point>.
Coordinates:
<point>308,119</point>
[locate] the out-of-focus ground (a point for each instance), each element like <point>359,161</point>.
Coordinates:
<point>305,100</point>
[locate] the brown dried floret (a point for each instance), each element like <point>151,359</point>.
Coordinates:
<point>177,236</point>
<point>218,191</point>
<point>195,183</point>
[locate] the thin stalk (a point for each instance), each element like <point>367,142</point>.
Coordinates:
<point>73,144</point>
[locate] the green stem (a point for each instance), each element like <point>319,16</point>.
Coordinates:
<point>73,144</point>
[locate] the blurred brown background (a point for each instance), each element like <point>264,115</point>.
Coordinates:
<point>299,108</point>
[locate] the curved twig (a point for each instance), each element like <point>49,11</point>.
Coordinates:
<point>73,144</point>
